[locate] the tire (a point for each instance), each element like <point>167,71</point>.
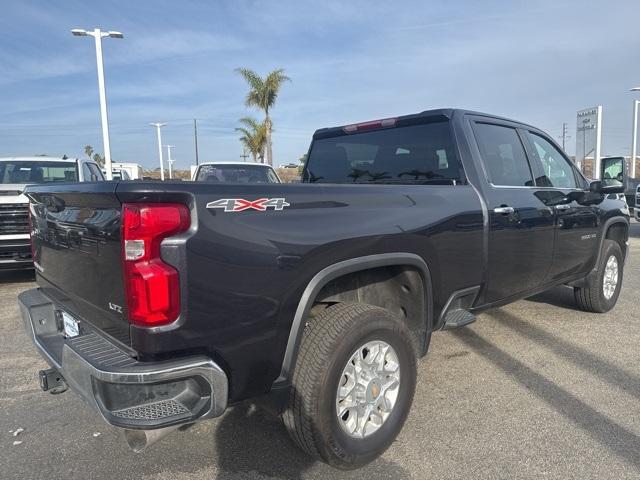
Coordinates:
<point>593,298</point>
<point>329,342</point>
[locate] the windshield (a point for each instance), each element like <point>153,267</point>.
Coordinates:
<point>236,174</point>
<point>411,154</point>
<point>38,172</point>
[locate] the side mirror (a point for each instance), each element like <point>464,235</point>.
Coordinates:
<point>612,176</point>
<point>595,186</point>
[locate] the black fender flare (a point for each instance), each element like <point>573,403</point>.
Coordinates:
<point>605,228</point>
<point>337,270</point>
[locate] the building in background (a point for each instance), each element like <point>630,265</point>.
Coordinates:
<point>589,140</point>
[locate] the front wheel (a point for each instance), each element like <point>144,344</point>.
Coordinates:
<point>602,293</point>
<point>352,386</point>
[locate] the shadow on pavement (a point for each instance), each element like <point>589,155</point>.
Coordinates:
<point>609,434</point>
<point>252,444</point>
<point>17,276</point>
<point>607,371</point>
<point>561,296</point>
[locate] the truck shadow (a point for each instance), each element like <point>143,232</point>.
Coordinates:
<point>561,296</point>
<point>17,276</point>
<point>604,369</point>
<point>253,444</point>
<point>606,432</point>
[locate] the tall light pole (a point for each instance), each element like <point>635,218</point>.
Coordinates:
<point>169,159</point>
<point>158,125</point>
<point>634,134</point>
<point>98,35</point>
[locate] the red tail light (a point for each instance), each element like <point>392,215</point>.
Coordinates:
<point>152,286</point>
<point>33,249</point>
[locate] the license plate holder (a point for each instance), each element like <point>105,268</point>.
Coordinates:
<point>70,325</point>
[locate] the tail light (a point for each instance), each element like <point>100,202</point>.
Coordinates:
<point>372,125</point>
<point>33,248</point>
<point>152,286</point>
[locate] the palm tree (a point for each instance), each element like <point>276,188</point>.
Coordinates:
<point>88,150</point>
<point>254,137</point>
<point>263,93</point>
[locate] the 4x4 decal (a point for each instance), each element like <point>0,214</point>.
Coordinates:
<point>240,204</point>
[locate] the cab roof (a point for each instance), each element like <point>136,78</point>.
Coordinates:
<point>38,159</point>
<point>435,115</point>
<point>235,163</point>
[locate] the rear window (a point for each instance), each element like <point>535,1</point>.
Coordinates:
<point>236,174</point>
<point>38,172</point>
<point>406,155</point>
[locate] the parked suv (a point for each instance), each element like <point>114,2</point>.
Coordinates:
<point>15,174</point>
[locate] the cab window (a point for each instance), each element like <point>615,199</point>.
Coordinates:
<point>556,170</point>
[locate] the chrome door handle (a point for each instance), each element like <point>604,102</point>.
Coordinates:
<point>504,210</point>
<point>563,206</point>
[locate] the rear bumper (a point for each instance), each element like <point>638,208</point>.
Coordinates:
<point>126,392</point>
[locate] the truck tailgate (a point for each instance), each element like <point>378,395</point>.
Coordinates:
<point>77,253</point>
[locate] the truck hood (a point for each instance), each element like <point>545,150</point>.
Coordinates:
<point>12,193</point>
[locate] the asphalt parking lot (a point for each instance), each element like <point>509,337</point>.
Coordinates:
<point>536,389</point>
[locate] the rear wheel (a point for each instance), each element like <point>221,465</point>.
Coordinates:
<point>602,293</point>
<point>352,386</point>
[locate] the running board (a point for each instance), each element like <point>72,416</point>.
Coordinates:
<point>458,318</point>
<point>455,313</point>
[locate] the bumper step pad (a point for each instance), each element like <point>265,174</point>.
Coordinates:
<point>153,411</point>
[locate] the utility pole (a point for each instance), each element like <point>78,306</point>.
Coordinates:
<point>634,133</point>
<point>565,135</point>
<point>169,160</point>
<point>98,35</point>
<point>195,134</point>
<point>244,155</point>
<point>158,125</point>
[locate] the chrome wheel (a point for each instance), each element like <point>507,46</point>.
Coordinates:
<point>610,280</point>
<point>368,389</point>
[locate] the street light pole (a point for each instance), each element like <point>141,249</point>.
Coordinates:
<point>98,35</point>
<point>158,125</point>
<point>634,134</point>
<point>169,160</point>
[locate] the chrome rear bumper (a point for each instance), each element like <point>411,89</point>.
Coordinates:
<point>128,393</point>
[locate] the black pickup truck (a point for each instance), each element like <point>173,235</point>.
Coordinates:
<point>165,303</point>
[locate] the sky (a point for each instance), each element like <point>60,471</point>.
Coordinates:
<point>535,61</point>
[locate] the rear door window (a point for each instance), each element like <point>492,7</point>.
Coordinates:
<point>422,153</point>
<point>503,155</point>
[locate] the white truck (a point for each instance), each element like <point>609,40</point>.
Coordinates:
<point>134,170</point>
<point>15,174</point>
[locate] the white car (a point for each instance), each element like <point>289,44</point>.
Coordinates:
<point>15,174</point>
<point>235,172</point>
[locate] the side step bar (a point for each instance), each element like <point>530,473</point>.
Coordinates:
<point>458,318</point>
<point>456,312</point>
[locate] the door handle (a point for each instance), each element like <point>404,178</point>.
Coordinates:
<point>504,210</point>
<point>563,206</point>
